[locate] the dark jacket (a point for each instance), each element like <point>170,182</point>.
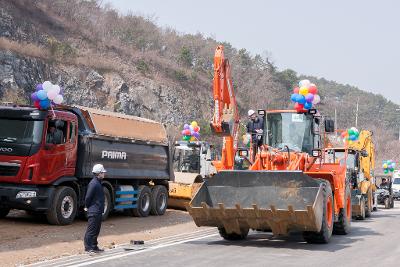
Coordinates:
<point>252,126</point>
<point>94,200</point>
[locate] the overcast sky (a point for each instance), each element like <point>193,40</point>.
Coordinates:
<point>353,42</point>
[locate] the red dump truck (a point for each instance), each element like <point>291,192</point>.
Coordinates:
<point>46,158</point>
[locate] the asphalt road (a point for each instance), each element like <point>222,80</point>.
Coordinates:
<point>373,242</point>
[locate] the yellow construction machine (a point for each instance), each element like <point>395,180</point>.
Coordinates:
<point>359,158</point>
<point>192,162</point>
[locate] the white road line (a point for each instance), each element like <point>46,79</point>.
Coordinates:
<point>140,251</point>
<point>119,249</point>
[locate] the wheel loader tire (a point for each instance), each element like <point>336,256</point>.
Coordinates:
<point>233,236</point>
<point>362,207</point>
<point>324,235</point>
<point>387,203</point>
<point>368,207</point>
<point>392,203</point>
<point>64,206</point>
<point>143,203</point>
<point>159,198</point>
<point>343,226</point>
<point>4,212</point>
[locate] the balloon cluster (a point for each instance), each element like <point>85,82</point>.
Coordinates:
<point>305,95</point>
<point>191,132</point>
<point>47,94</point>
<point>388,166</point>
<point>350,135</point>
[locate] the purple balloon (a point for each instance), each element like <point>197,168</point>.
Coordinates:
<point>34,97</point>
<point>186,126</point>
<point>39,87</point>
<point>183,132</point>
<point>196,134</point>
<point>309,98</point>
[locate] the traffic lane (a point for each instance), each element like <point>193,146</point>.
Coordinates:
<point>371,242</point>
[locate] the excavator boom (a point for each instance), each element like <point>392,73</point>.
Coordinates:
<point>225,120</point>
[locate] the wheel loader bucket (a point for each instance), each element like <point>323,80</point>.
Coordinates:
<point>182,190</point>
<point>280,201</point>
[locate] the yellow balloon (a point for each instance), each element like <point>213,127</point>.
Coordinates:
<point>192,139</point>
<point>385,166</point>
<point>194,123</point>
<point>303,90</point>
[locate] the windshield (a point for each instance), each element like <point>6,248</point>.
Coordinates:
<point>187,159</point>
<point>21,131</point>
<point>291,130</point>
<point>396,181</point>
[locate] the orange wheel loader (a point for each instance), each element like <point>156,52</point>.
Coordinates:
<point>288,187</point>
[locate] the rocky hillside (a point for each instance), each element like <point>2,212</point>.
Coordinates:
<point>127,64</point>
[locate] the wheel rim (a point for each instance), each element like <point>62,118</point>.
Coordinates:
<point>348,206</point>
<point>329,217</point>
<point>67,207</point>
<point>162,200</point>
<point>145,202</point>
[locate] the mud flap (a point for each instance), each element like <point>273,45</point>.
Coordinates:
<point>280,201</point>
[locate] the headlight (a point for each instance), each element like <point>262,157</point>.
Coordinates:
<point>26,194</point>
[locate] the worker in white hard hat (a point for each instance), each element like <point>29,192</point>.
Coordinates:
<point>255,127</point>
<point>94,206</point>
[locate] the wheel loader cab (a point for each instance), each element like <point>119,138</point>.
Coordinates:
<point>297,132</point>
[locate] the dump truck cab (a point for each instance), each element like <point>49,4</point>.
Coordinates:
<point>36,149</point>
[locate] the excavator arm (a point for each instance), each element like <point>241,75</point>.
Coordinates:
<point>225,120</point>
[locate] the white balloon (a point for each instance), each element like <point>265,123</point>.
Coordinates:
<point>58,99</point>
<point>56,88</point>
<point>305,83</point>
<point>52,94</point>
<point>47,86</point>
<point>316,100</point>
<point>354,129</point>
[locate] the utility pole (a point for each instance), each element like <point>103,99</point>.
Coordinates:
<point>336,124</point>
<point>358,99</point>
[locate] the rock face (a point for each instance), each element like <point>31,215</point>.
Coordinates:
<point>88,87</point>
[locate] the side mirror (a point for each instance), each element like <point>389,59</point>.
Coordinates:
<point>316,153</point>
<point>243,153</point>
<point>329,126</point>
<point>364,153</point>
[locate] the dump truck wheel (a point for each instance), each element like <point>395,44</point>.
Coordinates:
<point>159,199</point>
<point>362,207</point>
<point>4,212</point>
<point>342,227</point>
<point>233,236</point>
<point>107,204</point>
<point>64,206</point>
<point>143,203</point>
<point>392,203</point>
<point>323,236</point>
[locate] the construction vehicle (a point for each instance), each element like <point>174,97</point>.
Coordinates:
<point>359,158</point>
<point>287,188</point>
<point>384,192</point>
<point>51,178</point>
<point>192,162</point>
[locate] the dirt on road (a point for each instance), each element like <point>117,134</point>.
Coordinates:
<point>25,239</point>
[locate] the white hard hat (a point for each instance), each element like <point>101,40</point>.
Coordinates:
<point>251,112</point>
<point>98,168</point>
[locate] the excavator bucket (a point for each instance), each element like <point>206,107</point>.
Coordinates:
<point>277,201</point>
